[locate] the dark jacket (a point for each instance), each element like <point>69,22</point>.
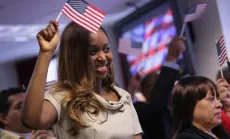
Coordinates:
<point>195,133</point>
<point>155,116</point>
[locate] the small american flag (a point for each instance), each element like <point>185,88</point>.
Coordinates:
<point>49,84</point>
<point>84,14</point>
<point>128,47</point>
<point>221,50</point>
<point>195,12</point>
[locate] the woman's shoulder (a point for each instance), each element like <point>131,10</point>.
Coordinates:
<point>121,91</point>
<point>57,94</point>
<point>193,133</point>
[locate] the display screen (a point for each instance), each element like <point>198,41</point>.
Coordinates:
<point>154,31</point>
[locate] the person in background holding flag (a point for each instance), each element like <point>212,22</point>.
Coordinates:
<point>154,114</point>
<point>84,103</point>
<point>224,93</point>
<point>226,74</point>
<point>194,13</point>
<point>222,83</point>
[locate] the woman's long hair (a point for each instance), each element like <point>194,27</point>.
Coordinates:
<point>185,95</point>
<point>76,75</point>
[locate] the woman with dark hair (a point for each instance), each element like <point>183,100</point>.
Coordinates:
<point>84,103</point>
<point>196,110</point>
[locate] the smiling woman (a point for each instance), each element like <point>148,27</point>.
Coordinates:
<point>100,54</point>
<point>84,103</point>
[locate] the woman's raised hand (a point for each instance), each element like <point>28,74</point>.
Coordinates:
<point>48,38</point>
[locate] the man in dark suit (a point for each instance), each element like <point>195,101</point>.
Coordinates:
<point>155,114</point>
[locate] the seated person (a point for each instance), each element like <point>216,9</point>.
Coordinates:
<point>196,110</point>
<point>10,121</point>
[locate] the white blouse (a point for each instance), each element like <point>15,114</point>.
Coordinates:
<point>122,122</point>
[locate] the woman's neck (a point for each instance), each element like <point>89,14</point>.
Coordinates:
<point>98,87</point>
<point>204,128</point>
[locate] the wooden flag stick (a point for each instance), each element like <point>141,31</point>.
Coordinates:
<point>23,86</point>
<point>221,72</point>
<point>183,29</point>
<point>184,24</point>
<point>59,15</point>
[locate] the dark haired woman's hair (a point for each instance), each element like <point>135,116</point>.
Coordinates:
<point>148,83</point>
<point>185,95</point>
<point>76,76</point>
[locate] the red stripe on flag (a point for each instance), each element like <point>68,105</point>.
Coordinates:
<point>97,11</point>
<point>222,58</point>
<point>150,53</point>
<point>93,12</point>
<point>156,29</point>
<point>222,61</point>
<point>222,47</point>
<point>222,54</point>
<point>93,17</point>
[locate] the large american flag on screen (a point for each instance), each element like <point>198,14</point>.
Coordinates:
<point>155,34</point>
<point>221,50</point>
<point>84,14</point>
